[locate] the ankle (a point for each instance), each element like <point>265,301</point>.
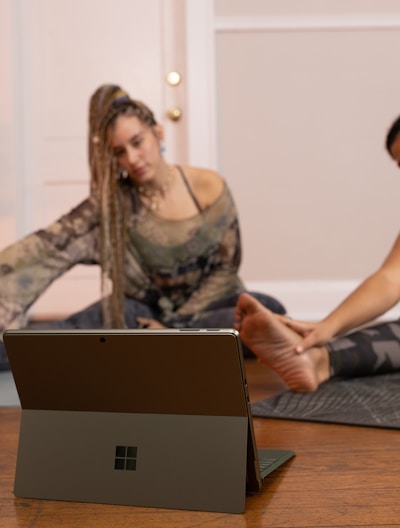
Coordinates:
<point>320,358</point>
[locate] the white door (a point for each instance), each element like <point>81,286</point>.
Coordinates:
<point>68,48</point>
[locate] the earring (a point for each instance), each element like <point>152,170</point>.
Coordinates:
<point>162,149</point>
<point>123,175</point>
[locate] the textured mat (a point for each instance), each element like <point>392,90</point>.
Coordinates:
<point>372,401</point>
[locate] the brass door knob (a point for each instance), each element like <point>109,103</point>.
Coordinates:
<point>174,114</point>
<point>173,78</point>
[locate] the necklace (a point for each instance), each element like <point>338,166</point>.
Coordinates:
<point>154,195</point>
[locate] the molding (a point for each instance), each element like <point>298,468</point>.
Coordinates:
<point>202,28</point>
<point>19,106</point>
<point>308,300</point>
<point>311,300</point>
<point>201,79</point>
<point>333,22</point>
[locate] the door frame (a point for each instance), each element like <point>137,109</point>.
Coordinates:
<point>201,84</point>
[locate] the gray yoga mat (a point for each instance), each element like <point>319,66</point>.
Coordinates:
<point>372,401</point>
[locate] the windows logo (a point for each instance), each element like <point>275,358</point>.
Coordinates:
<point>125,458</point>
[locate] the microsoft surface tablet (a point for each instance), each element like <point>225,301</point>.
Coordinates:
<point>156,418</point>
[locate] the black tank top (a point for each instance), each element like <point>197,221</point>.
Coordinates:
<point>196,203</point>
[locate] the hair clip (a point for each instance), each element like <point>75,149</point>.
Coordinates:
<point>120,100</point>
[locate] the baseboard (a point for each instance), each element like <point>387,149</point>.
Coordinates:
<point>311,300</point>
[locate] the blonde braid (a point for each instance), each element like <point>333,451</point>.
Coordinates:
<point>106,104</point>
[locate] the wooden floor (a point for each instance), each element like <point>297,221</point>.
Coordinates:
<point>342,476</point>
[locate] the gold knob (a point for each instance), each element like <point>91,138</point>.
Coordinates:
<point>173,78</point>
<point>174,113</point>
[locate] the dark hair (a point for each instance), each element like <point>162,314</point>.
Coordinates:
<point>106,104</point>
<point>392,134</point>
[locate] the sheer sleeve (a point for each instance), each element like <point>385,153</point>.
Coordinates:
<point>223,278</point>
<point>30,265</point>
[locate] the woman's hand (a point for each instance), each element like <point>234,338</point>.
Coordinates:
<point>314,334</point>
<point>144,322</point>
<point>302,328</point>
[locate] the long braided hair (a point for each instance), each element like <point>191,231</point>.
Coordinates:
<point>106,104</point>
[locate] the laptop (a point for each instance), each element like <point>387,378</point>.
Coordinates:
<point>153,418</point>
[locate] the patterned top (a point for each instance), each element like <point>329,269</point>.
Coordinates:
<point>175,266</point>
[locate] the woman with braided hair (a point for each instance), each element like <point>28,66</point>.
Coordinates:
<point>165,237</point>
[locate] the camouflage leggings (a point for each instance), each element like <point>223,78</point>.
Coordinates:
<point>371,350</point>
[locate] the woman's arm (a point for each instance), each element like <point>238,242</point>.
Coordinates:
<point>375,295</point>
<point>30,265</point>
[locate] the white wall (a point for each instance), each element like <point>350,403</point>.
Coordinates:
<point>305,93</point>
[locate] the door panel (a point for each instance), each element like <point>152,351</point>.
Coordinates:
<point>304,104</point>
<point>68,49</point>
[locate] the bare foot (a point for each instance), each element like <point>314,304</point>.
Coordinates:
<point>273,343</point>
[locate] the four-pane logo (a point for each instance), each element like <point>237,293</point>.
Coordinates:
<point>125,458</point>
